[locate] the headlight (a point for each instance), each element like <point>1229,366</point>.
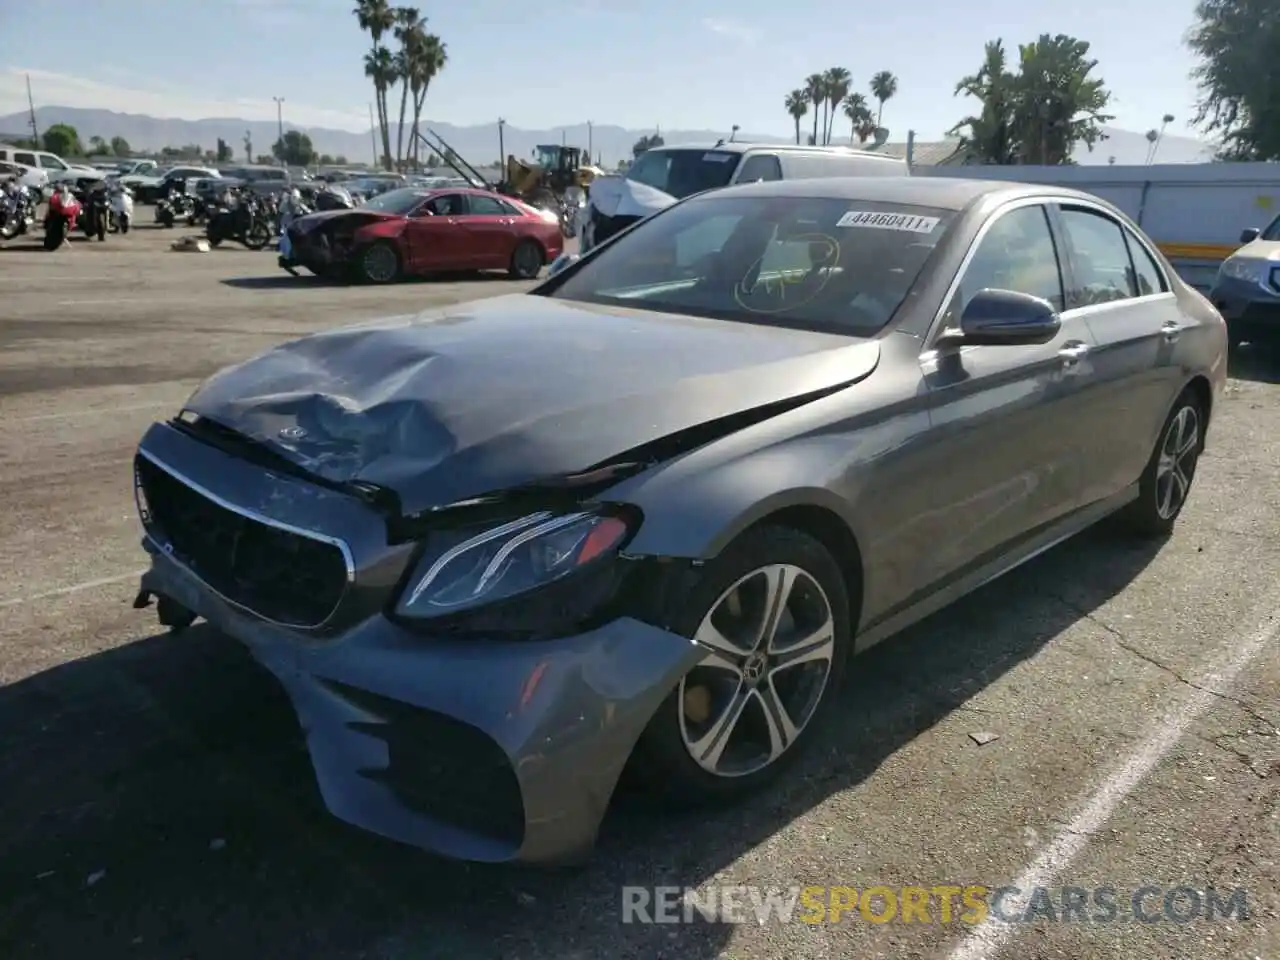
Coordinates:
<point>1238,268</point>
<point>550,216</point>
<point>509,560</point>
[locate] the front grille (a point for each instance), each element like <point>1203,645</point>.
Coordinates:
<point>605,227</point>
<point>280,575</point>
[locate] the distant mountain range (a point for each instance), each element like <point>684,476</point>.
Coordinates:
<point>478,144</point>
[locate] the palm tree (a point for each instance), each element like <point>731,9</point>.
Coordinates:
<point>836,82</point>
<point>1058,103</point>
<point>1155,136</point>
<point>815,89</point>
<point>989,136</point>
<point>859,114</point>
<point>410,32</point>
<point>883,86</point>
<point>376,18</point>
<point>797,105</point>
<point>380,67</point>
<point>431,59</point>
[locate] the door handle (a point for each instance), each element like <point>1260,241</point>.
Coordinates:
<point>1171,330</point>
<point>1073,353</point>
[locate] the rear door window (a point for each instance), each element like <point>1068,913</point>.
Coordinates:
<point>1146,273</point>
<point>1100,256</point>
<point>761,166</point>
<point>27,158</point>
<point>489,207</point>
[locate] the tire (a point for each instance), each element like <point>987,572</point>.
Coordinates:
<point>526,260</point>
<point>257,236</point>
<point>379,263</point>
<point>124,223</point>
<point>1153,514</point>
<point>55,234</point>
<point>213,235</point>
<point>664,755</point>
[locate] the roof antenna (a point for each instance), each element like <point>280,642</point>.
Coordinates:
<point>720,142</point>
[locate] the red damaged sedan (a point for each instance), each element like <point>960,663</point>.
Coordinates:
<point>413,232</point>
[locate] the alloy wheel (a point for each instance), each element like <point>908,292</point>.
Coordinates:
<point>380,263</point>
<point>1176,464</point>
<point>771,642</point>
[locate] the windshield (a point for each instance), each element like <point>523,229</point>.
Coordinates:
<point>1273,230</point>
<point>682,173</point>
<point>841,266</point>
<point>395,201</point>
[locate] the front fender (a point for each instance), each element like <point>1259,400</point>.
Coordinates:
<point>380,230</point>
<point>821,454</point>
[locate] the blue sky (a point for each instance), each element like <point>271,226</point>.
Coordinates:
<point>691,64</point>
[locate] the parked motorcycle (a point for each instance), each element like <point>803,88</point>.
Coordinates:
<point>60,218</point>
<point>96,211</point>
<point>175,207</point>
<point>121,208</point>
<point>240,218</point>
<point>17,209</point>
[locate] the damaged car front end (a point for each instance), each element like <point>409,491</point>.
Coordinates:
<point>327,243</point>
<point>414,531</point>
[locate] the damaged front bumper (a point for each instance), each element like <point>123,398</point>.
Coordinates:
<point>478,749</point>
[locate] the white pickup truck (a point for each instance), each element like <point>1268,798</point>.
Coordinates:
<point>52,164</point>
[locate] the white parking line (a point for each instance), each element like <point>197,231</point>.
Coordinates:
<point>103,303</point>
<point>75,588</point>
<point>987,938</point>
<point>91,413</point>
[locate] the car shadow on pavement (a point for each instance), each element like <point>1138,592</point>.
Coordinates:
<point>158,802</point>
<point>1259,362</point>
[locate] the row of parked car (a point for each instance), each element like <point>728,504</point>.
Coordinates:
<point>149,180</point>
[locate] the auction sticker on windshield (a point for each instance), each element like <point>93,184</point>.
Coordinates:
<point>906,222</point>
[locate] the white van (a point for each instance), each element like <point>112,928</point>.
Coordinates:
<point>663,175</point>
<point>52,164</point>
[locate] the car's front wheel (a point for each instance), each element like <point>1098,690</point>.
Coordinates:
<point>774,617</point>
<point>1166,481</point>
<point>379,263</point>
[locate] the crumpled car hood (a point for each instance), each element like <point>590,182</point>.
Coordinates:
<point>508,391</point>
<point>619,197</point>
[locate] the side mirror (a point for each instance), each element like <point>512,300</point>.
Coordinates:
<point>1250,235</point>
<point>561,262</point>
<point>1004,317</point>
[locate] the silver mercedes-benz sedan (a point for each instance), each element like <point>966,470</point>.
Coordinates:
<point>645,513</point>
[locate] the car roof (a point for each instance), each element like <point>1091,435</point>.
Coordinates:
<point>941,192</point>
<point>740,146</point>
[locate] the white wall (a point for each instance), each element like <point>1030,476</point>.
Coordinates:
<point>1176,204</point>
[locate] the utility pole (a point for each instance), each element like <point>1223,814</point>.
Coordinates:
<point>502,147</point>
<point>35,133</point>
<point>280,125</point>
<point>373,136</point>
<point>590,140</point>
<point>733,133</point>
<point>564,136</point>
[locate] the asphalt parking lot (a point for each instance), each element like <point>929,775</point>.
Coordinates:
<point>155,795</point>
